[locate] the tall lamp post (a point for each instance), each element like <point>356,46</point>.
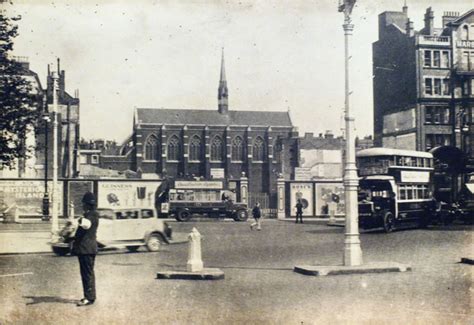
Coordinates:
<point>46,120</point>
<point>352,249</point>
<point>54,187</point>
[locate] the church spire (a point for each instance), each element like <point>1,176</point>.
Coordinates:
<point>223,93</point>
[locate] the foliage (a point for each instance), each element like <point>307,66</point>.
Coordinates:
<point>19,104</point>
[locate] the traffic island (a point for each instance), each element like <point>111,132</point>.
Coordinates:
<point>467,260</point>
<point>204,274</point>
<point>195,267</point>
<point>379,267</point>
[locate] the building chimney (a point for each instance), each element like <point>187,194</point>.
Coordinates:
<point>328,134</point>
<point>429,21</point>
<point>449,16</point>
<point>405,8</point>
<point>308,135</point>
<point>409,28</point>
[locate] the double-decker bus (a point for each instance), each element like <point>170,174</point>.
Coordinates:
<point>395,187</point>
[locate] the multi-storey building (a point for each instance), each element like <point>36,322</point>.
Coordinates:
<point>423,82</point>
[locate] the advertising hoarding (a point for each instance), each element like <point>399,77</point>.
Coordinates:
<point>304,192</point>
<point>127,194</point>
<point>326,193</point>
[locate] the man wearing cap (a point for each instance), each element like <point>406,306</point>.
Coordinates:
<point>85,247</point>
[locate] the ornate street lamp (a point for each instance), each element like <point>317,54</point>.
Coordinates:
<point>54,189</point>
<point>352,249</point>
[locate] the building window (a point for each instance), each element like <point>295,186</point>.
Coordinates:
<point>446,87</point>
<point>427,58</point>
<point>195,148</point>
<point>465,33</point>
<point>436,59</point>
<point>237,149</point>
<point>428,86</point>
<point>445,60</point>
<point>437,86</point>
<point>437,140</point>
<point>174,148</point>
<point>259,149</point>
<point>151,148</point>
<point>465,87</point>
<point>437,115</point>
<point>94,159</point>
<point>217,149</point>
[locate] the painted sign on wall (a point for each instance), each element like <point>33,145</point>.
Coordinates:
<point>303,192</point>
<point>127,194</point>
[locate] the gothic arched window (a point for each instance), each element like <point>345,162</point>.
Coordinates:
<point>152,148</point>
<point>465,33</point>
<point>217,149</point>
<point>259,149</point>
<point>277,150</point>
<point>237,149</point>
<point>195,148</point>
<point>174,148</point>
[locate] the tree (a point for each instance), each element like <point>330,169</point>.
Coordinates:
<point>19,105</point>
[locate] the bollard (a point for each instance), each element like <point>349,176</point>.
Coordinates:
<point>71,211</point>
<point>195,263</point>
<point>332,212</point>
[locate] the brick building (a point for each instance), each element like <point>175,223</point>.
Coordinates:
<point>201,143</point>
<point>423,82</point>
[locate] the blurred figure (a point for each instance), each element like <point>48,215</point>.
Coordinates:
<point>256,213</point>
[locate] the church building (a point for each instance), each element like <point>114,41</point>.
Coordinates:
<point>260,145</point>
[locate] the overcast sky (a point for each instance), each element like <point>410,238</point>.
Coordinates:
<point>126,54</point>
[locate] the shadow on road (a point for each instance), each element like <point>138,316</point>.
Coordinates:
<point>49,300</point>
<point>326,231</point>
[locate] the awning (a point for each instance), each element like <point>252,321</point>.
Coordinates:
<point>470,187</point>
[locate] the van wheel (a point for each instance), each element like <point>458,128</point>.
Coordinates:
<point>241,215</point>
<point>183,215</point>
<point>154,243</point>
<point>132,248</point>
<point>388,222</point>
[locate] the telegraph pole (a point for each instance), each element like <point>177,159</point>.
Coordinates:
<point>54,187</point>
<point>352,249</point>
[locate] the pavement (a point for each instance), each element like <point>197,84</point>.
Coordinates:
<point>260,285</point>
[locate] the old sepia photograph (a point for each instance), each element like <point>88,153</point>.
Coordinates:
<point>237,162</point>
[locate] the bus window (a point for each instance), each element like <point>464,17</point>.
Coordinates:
<point>409,192</point>
<point>403,192</point>
<point>420,194</point>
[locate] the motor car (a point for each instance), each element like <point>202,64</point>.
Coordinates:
<point>121,228</point>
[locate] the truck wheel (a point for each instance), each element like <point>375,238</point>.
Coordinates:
<point>132,249</point>
<point>388,222</point>
<point>183,215</point>
<point>61,251</point>
<point>241,215</point>
<point>154,242</point>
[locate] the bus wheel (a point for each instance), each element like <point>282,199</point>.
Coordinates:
<point>388,222</point>
<point>183,215</point>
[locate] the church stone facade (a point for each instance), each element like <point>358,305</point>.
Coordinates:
<point>260,145</point>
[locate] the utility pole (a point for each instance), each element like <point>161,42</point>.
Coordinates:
<point>352,249</point>
<point>54,187</point>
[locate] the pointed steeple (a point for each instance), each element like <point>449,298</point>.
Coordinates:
<point>223,93</point>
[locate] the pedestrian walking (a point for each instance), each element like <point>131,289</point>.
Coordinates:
<point>257,214</point>
<point>299,211</point>
<point>85,247</point>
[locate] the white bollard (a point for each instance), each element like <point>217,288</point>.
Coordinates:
<point>332,206</point>
<point>195,263</point>
<point>71,211</point>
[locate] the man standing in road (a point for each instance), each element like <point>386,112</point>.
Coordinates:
<point>299,211</point>
<point>256,212</point>
<point>85,247</point>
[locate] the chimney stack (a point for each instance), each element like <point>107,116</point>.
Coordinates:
<point>429,21</point>
<point>449,16</point>
<point>410,29</point>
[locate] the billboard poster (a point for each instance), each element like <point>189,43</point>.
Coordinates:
<point>126,194</point>
<point>304,192</point>
<point>27,196</point>
<point>325,194</point>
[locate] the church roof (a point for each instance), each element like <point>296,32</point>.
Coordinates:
<point>212,117</point>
